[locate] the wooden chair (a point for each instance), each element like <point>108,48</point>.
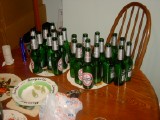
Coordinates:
<point>134,23</point>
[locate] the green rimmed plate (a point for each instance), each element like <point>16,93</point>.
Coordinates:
<point>33,91</point>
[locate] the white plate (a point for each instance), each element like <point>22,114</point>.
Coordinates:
<point>13,115</point>
<point>33,91</point>
<point>47,73</point>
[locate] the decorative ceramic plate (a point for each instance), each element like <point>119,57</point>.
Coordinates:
<point>33,91</point>
<point>96,86</point>
<point>14,80</point>
<point>13,115</point>
<point>47,73</point>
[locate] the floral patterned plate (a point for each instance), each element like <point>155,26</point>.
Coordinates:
<point>13,115</point>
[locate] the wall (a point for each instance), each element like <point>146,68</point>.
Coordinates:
<point>81,16</point>
<point>53,10</point>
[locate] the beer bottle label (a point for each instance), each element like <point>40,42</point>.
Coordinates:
<point>80,74</point>
<point>87,79</point>
<point>123,75</point>
<point>60,64</point>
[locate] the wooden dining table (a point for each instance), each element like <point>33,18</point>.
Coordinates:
<point>135,100</point>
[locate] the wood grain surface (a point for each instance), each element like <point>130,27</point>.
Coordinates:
<point>135,100</point>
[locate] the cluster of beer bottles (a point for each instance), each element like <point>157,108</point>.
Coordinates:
<point>107,63</point>
<point>49,49</point>
<point>89,65</point>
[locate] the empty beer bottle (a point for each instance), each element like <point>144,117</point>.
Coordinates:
<point>78,64</point>
<point>57,63</point>
<point>128,61</point>
<point>66,44</point>
<point>72,55</point>
<point>120,67</point>
<point>108,67</point>
<point>114,47</point>
<point>87,77</point>
<point>62,49</point>
<point>49,52</point>
<point>41,51</point>
<point>35,65</point>
<point>96,64</point>
<point>96,37</point>
<point>102,55</point>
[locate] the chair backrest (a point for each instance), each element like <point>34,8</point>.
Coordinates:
<point>134,23</point>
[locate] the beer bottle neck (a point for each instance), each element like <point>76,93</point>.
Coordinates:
<point>54,44</point>
<point>60,37</point>
<point>73,46</point>
<point>79,53</point>
<point>121,53</point>
<point>108,52</point>
<point>128,49</point>
<point>96,51</point>
<point>34,44</point>
<point>101,46</point>
<point>87,57</point>
<point>49,41</point>
<point>39,38</point>
<point>96,37</point>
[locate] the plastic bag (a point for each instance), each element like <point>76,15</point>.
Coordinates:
<point>59,107</point>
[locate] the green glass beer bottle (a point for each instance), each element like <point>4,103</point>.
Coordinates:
<point>128,61</point>
<point>66,44</point>
<point>78,64</point>
<point>96,37</point>
<point>87,77</point>
<point>72,55</point>
<point>57,63</point>
<point>62,49</point>
<point>102,55</point>
<point>35,65</point>
<point>49,52</point>
<point>96,64</point>
<point>114,47</point>
<point>120,67</point>
<point>41,51</point>
<point>108,67</point>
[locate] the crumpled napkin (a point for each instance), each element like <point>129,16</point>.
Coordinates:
<point>4,63</point>
<point>59,107</point>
